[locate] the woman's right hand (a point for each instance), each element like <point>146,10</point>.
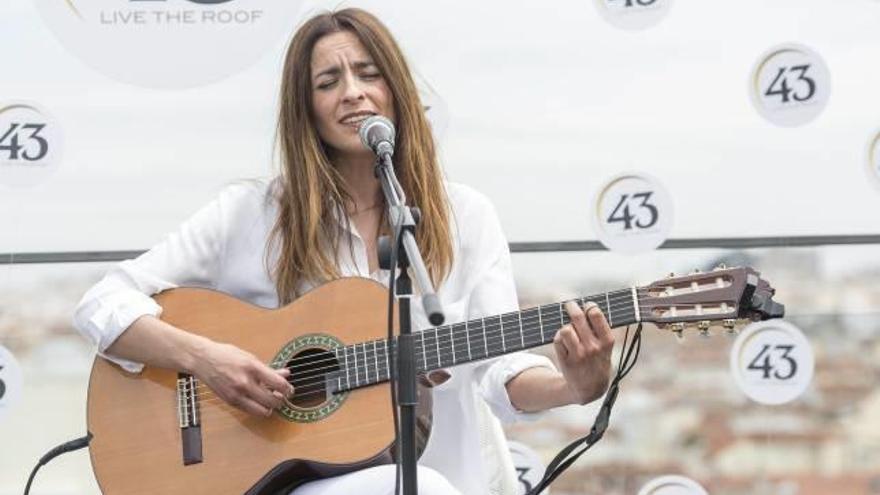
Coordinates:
<point>236,376</point>
<point>241,379</point>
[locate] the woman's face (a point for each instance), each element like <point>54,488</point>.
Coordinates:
<point>346,89</point>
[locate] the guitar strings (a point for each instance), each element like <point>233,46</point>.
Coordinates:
<point>303,391</point>
<point>495,327</point>
<point>316,376</point>
<point>308,385</point>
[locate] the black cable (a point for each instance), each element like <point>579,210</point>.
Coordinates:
<point>61,449</point>
<point>629,354</point>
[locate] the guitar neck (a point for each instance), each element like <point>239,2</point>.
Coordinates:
<point>368,363</point>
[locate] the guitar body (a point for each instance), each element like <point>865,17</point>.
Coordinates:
<point>140,447</point>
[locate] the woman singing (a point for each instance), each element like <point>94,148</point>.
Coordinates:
<point>270,242</point>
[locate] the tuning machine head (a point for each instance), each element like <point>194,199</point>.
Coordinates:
<point>729,326</point>
<point>677,330</point>
<point>703,326</point>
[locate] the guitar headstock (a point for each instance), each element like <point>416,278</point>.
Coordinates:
<point>722,297</point>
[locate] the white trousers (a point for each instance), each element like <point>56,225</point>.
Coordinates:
<point>377,480</point>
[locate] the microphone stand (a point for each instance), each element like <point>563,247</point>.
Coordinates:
<point>402,218</point>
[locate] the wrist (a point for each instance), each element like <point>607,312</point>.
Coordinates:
<point>194,351</point>
<point>572,394</point>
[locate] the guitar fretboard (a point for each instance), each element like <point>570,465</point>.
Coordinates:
<point>370,362</point>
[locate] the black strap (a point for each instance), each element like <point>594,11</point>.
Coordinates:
<point>568,455</point>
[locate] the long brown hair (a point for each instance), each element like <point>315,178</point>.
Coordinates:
<point>311,194</point>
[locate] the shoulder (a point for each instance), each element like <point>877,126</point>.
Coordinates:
<point>474,218</point>
<point>469,203</point>
<point>247,194</point>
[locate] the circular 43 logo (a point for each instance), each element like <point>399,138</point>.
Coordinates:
<point>772,362</point>
<point>634,14</point>
<point>790,85</point>
<point>30,144</point>
<point>10,381</point>
<point>632,214</point>
<point>169,43</point>
<point>874,159</point>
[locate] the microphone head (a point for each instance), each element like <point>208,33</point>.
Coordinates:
<point>376,129</point>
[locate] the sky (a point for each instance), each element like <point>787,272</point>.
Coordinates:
<point>543,106</point>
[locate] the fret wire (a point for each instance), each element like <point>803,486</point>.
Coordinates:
<point>339,377</point>
<point>424,355</point>
<point>503,343</point>
<point>452,340</point>
<point>561,319</point>
<point>522,338</point>
<point>467,335</point>
<point>541,324</point>
<point>367,360</point>
<point>347,375</point>
<point>376,359</point>
<point>355,355</point>
<point>608,310</point>
<point>387,361</point>
<point>363,360</point>
<point>437,345</point>
<point>485,343</point>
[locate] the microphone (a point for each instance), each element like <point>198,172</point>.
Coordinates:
<point>377,133</point>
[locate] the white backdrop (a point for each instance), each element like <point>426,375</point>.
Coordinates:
<point>544,103</point>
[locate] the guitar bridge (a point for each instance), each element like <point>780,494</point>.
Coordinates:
<point>188,419</point>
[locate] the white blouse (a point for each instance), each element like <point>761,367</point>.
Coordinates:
<point>222,247</point>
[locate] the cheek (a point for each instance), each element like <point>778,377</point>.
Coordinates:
<point>388,103</point>
<point>323,111</point>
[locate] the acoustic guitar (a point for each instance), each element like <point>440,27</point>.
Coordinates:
<point>161,432</point>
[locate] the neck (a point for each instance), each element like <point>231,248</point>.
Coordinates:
<point>366,363</point>
<point>360,182</point>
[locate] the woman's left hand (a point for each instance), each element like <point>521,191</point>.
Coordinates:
<point>583,349</point>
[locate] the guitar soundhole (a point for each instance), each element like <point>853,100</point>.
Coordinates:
<point>308,369</point>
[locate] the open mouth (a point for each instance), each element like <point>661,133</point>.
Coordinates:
<point>354,119</point>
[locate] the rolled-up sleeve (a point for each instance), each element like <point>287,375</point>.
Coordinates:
<point>495,292</point>
<point>190,256</point>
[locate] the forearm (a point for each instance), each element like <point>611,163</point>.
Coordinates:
<point>152,341</point>
<point>537,389</point>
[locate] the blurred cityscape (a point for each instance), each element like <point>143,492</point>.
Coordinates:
<point>679,411</point>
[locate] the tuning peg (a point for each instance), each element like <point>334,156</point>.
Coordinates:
<point>695,271</point>
<point>677,330</point>
<point>704,328</point>
<point>729,326</point>
<point>721,266</point>
<point>671,275</point>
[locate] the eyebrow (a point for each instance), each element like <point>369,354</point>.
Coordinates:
<point>336,70</point>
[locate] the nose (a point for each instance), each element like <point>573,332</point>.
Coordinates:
<point>354,90</point>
